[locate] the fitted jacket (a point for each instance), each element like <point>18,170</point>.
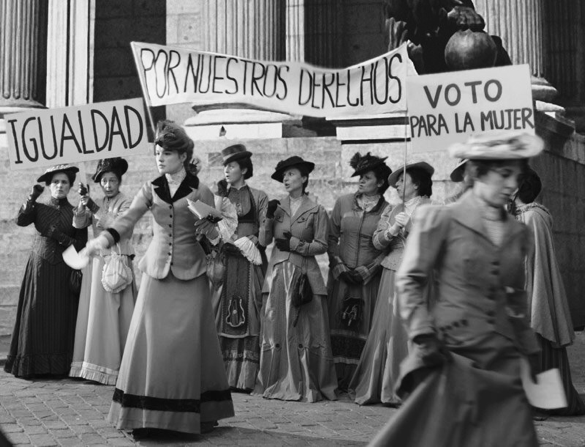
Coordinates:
<point>174,246</point>
<point>479,287</point>
<point>309,228</point>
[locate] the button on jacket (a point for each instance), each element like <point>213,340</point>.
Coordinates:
<point>174,246</point>
<point>309,229</point>
<point>479,286</point>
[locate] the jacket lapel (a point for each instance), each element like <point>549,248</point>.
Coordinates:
<point>306,205</point>
<point>161,187</point>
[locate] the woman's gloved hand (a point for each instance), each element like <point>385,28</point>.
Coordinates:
<point>272,205</point>
<point>432,350</point>
<point>283,244</point>
<point>207,229</point>
<point>35,192</point>
<point>94,246</point>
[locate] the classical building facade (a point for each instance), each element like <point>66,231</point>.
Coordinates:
<point>57,53</point>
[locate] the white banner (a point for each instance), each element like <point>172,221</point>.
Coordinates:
<point>177,75</point>
<point>46,137</point>
<point>449,107</point>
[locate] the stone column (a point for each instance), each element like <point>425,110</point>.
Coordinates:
<point>69,53</point>
<point>21,41</point>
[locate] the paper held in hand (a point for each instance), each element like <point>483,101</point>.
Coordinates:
<point>203,210</point>
<point>548,392</point>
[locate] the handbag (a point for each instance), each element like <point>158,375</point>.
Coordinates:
<point>116,274</point>
<point>75,281</point>
<point>302,293</point>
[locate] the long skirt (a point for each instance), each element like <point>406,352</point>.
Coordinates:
<point>295,359</point>
<point>236,306</point>
<point>475,400</point>
<point>551,357</point>
<point>42,341</point>
<point>386,347</point>
<point>102,326</point>
<point>351,314</point>
<point>172,375</point>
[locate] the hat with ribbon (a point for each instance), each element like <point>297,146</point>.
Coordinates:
<point>422,165</point>
<point>509,145</point>
<point>117,165</point>
<point>292,162</point>
<point>66,168</point>
<point>234,153</point>
<point>365,163</point>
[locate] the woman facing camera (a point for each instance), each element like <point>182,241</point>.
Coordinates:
<point>471,341</point>
<point>172,375</point>
<point>42,340</point>
<point>104,315</point>
<point>295,352</point>
<point>355,263</point>
<point>387,344</point>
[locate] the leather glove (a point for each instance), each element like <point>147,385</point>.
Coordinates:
<point>35,192</point>
<point>206,228</point>
<point>83,190</point>
<point>432,351</point>
<point>213,219</point>
<point>272,205</point>
<point>231,249</point>
<point>282,244</point>
<point>346,277</point>
<point>59,236</point>
<point>357,278</point>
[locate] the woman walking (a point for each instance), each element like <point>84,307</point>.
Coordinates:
<point>172,375</point>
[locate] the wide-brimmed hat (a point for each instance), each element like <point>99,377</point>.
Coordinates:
<point>365,163</point>
<point>422,165</point>
<point>48,175</point>
<point>457,173</point>
<point>498,146</point>
<point>117,165</point>
<point>294,161</point>
<point>234,153</point>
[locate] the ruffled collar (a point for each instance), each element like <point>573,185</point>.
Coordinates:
<point>177,177</point>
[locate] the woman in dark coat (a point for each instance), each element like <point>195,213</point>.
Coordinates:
<point>42,340</point>
<point>462,379</point>
<point>355,264</point>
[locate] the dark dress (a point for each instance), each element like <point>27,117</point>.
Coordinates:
<point>42,341</point>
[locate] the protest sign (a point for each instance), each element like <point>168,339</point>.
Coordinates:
<point>449,107</point>
<point>46,137</point>
<point>176,75</point>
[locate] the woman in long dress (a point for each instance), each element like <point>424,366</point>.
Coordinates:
<point>295,351</point>
<point>355,264</point>
<point>387,343</point>
<point>172,375</point>
<point>549,312</point>
<point>462,379</point>
<point>238,300</point>
<point>104,317</point>
<point>42,340</point>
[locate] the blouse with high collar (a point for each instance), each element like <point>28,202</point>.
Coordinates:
<point>175,179</point>
<point>493,219</point>
<point>57,203</point>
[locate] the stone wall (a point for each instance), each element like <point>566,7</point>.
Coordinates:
<point>562,167</point>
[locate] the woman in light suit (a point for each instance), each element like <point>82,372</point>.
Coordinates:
<point>463,371</point>
<point>296,362</point>
<point>172,375</point>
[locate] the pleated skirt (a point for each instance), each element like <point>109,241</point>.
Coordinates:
<point>172,375</point>
<point>42,340</point>
<point>102,326</point>
<point>296,362</point>
<point>386,347</point>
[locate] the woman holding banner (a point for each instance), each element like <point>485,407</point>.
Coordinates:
<point>355,263</point>
<point>237,302</point>
<point>172,375</point>
<point>104,315</point>
<point>295,349</point>
<point>387,343</point>
<point>42,340</point>
<point>470,339</point>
